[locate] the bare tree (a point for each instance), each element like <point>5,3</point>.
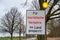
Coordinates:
<point>51,12</point>
<point>11,21</point>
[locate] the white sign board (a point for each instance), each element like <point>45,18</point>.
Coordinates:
<point>35,22</point>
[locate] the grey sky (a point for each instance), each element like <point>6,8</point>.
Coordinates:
<point>5,6</point>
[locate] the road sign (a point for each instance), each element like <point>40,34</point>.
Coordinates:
<point>35,22</point>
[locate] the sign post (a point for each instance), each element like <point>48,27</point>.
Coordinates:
<point>35,22</point>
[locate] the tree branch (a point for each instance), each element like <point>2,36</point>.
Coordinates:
<point>7,19</point>
<point>34,4</point>
<point>4,23</point>
<point>54,18</point>
<point>54,14</point>
<point>49,1</point>
<point>54,3</point>
<point>56,10</point>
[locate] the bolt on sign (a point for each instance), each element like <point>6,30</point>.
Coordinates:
<point>35,22</point>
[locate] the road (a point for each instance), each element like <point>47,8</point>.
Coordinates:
<point>58,38</point>
<point>31,38</point>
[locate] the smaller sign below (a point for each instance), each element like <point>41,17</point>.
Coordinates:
<point>35,22</point>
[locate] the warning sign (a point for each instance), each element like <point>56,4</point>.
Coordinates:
<point>35,22</point>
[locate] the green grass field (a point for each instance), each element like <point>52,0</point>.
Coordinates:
<point>10,39</point>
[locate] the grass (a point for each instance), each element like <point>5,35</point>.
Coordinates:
<point>10,39</point>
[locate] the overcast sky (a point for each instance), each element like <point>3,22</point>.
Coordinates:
<point>5,6</point>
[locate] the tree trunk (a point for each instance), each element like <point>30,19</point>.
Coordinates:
<point>20,35</point>
<point>11,36</point>
<point>41,37</point>
<point>20,31</point>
